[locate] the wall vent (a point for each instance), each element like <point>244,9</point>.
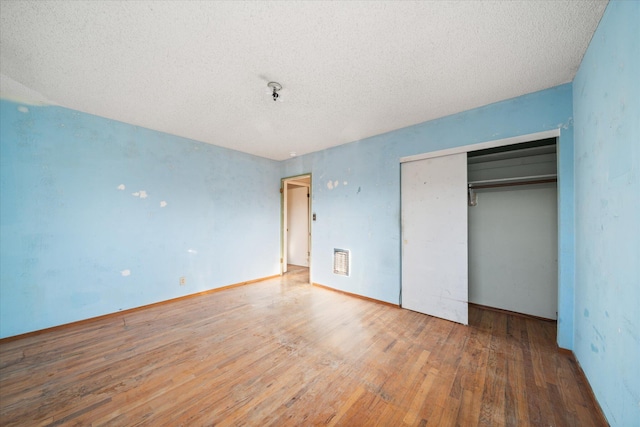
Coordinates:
<point>341,259</point>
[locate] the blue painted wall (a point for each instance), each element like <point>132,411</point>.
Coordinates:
<point>356,192</point>
<point>74,245</point>
<point>607,168</point>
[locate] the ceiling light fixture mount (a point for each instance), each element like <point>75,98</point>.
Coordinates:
<point>276,87</point>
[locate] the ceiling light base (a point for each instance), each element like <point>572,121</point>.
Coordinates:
<point>275,86</point>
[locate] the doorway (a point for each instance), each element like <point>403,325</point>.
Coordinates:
<point>295,235</point>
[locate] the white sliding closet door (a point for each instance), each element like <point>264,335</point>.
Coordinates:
<point>434,237</point>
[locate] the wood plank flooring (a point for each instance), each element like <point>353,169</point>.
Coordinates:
<point>285,353</point>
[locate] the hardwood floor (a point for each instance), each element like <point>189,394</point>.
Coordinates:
<point>283,352</point>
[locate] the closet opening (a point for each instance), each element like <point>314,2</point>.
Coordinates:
<point>513,228</point>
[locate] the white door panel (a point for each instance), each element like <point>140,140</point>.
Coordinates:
<point>434,237</point>
<point>298,227</point>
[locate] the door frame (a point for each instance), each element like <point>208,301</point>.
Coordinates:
<point>553,133</point>
<point>283,217</point>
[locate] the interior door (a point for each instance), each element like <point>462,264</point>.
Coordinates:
<point>434,237</point>
<point>298,226</point>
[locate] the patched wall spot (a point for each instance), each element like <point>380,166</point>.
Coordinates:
<point>23,109</point>
<point>121,187</point>
<point>163,204</point>
<point>126,273</point>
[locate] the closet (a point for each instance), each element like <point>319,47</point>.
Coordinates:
<point>512,226</point>
<point>481,227</point>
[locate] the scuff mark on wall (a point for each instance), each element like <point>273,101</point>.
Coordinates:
<point>344,183</point>
<point>126,273</point>
<point>163,204</point>
<point>600,337</point>
<point>192,251</point>
<point>629,328</point>
<point>121,187</point>
<point>334,184</point>
<point>565,125</point>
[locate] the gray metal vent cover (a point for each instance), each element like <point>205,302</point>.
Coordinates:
<point>341,259</point>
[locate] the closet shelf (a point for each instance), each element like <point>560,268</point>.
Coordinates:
<point>522,180</point>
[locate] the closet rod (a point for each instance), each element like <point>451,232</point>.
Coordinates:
<point>512,183</point>
<point>514,179</point>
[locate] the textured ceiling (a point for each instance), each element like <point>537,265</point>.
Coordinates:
<point>349,70</point>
